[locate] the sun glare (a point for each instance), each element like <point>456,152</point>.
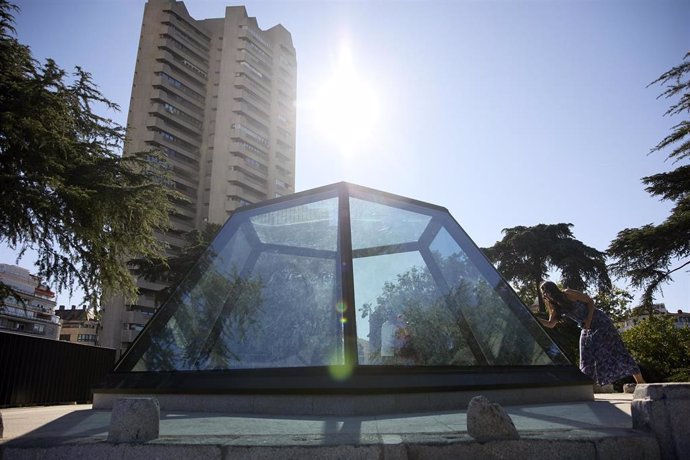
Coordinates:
<point>347,106</point>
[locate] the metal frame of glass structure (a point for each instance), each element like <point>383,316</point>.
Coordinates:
<point>272,307</point>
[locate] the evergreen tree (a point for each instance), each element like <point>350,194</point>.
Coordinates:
<point>525,256</point>
<point>649,255</point>
<point>66,192</point>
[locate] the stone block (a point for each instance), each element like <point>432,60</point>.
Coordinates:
<point>662,408</point>
<point>638,447</point>
<point>134,420</point>
<point>487,421</point>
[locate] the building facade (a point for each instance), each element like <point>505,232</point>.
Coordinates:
<point>216,97</point>
<point>680,318</point>
<point>34,314</point>
<point>79,325</point>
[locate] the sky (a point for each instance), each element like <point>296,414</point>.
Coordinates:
<point>506,113</point>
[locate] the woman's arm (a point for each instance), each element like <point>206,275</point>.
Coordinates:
<point>550,323</point>
<point>571,294</point>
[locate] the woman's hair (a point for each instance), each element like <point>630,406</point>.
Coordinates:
<point>557,301</point>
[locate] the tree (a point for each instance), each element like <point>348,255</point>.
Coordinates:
<point>173,268</point>
<point>662,349</point>
<point>615,303</point>
<point>65,190</point>
<point>649,255</point>
<point>526,254</point>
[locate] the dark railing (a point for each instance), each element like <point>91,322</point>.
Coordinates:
<point>34,370</point>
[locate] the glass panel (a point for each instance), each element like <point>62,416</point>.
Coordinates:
<point>211,287</point>
<point>313,225</point>
<point>296,322</point>
<point>375,224</point>
<point>402,316</point>
<point>499,323</point>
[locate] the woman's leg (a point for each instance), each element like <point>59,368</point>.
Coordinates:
<point>638,378</point>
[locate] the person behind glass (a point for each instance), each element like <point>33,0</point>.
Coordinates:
<point>603,356</point>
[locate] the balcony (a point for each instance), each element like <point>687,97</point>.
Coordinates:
<point>245,107</point>
<point>178,88</point>
<point>242,175</point>
<point>128,335</point>
<point>179,140</point>
<point>240,131</point>
<point>184,66</point>
<point>145,284</point>
<point>167,42</point>
<point>250,89</point>
<point>250,149</point>
<point>180,30</point>
<point>177,115</point>
<point>183,210</point>
<point>138,317</point>
<point>246,192</point>
<point>166,95</point>
<point>192,84</point>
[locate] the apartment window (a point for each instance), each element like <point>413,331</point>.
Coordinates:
<point>65,337</point>
<point>86,338</point>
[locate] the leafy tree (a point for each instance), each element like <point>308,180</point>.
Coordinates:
<point>173,268</point>
<point>526,254</point>
<point>649,255</point>
<point>615,303</point>
<point>662,349</point>
<point>65,190</point>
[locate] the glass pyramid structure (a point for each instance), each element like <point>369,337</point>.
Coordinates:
<point>342,288</point>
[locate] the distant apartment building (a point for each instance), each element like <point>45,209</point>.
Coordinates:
<point>680,319</point>
<point>79,325</point>
<point>34,313</point>
<point>216,97</point>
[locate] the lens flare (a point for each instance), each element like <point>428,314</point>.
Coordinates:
<point>340,369</point>
<point>341,307</point>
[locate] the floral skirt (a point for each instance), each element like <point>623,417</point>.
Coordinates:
<point>603,356</point>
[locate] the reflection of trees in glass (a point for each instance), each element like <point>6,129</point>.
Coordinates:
<point>434,333</point>
<point>434,320</point>
<point>503,338</point>
<point>297,323</point>
<point>191,339</point>
<point>434,337</point>
<point>234,322</point>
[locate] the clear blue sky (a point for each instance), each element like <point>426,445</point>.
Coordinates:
<point>507,112</point>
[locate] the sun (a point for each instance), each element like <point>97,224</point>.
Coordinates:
<point>347,106</point>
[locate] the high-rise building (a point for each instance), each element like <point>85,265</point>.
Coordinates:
<point>216,96</point>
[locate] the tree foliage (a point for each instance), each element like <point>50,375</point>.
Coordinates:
<point>649,255</point>
<point>526,255</point>
<point>65,190</point>
<point>615,303</point>
<point>662,349</point>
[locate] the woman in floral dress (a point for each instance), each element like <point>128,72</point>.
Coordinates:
<point>603,356</point>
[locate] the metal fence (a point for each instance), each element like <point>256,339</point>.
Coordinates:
<point>34,370</point>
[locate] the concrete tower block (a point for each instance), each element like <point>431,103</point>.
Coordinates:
<point>134,420</point>
<point>663,408</point>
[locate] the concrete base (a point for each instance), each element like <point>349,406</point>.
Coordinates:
<point>599,429</point>
<point>662,409</point>
<point>344,405</point>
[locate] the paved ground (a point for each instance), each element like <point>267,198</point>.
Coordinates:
<point>582,430</point>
